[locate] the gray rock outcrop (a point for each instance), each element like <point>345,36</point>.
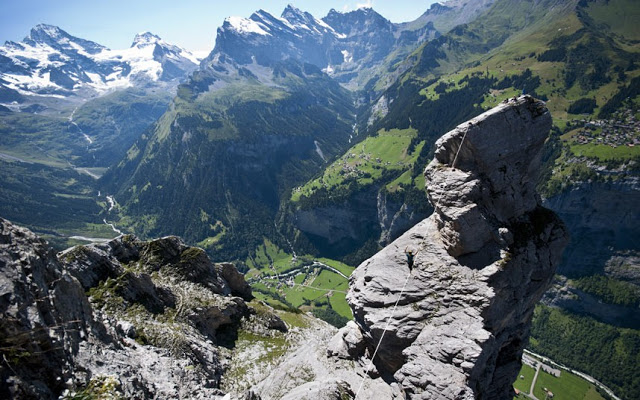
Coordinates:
<point>125,319</point>
<point>478,265</point>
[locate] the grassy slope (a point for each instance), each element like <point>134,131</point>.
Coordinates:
<point>620,16</point>
<point>39,138</point>
<point>365,163</point>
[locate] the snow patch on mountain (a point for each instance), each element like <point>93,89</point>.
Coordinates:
<point>245,26</point>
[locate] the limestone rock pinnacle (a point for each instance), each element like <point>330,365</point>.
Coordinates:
<point>480,263</point>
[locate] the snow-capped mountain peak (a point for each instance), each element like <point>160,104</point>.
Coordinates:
<point>294,14</point>
<point>145,38</point>
<point>45,30</point>
<point>305,20</point>
<point>58,39</point>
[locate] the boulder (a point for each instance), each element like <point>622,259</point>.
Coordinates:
<point>235,280</point>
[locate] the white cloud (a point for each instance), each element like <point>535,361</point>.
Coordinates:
<point>362,4</point>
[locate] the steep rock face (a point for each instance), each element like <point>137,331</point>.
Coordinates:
<point>335,228</point>
<point>145,316</point>
<point>479,264</point>
<point>395,217</point>
<point>565,296</point>
<point>44,316</point>
<point>603,218</point>
<point>370,215</point>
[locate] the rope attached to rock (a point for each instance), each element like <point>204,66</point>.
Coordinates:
<point>382,336</point>
<point>364,378</point>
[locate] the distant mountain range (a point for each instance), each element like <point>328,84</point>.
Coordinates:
<point>268,108</point>
<point>52,64</point>
<point>351,47</point>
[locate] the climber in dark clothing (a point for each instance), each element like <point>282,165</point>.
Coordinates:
<point>410,257</point>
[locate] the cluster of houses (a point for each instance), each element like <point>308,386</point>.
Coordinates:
<point>622,130</point>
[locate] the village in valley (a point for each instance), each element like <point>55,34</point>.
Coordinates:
<point>623,129</point>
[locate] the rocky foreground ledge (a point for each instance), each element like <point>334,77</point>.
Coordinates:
<point>123,319</point>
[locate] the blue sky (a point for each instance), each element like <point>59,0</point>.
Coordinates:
<point>188,23</point>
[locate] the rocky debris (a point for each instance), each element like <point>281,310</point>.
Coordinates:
<point>477,266</point>
<point>348,343</point>
<point>127,318</point>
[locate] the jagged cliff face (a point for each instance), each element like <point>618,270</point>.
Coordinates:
<point>604,219</point>
<point>127,318</point>
<point>481,262</point>
<point>44,316</point>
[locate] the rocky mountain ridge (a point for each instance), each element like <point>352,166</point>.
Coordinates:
<point>346,46</point>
